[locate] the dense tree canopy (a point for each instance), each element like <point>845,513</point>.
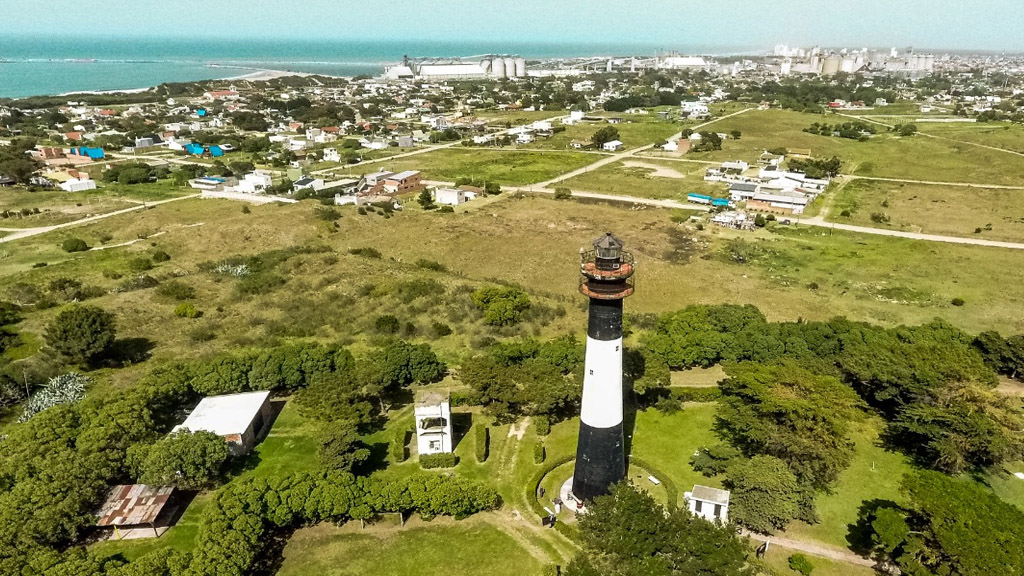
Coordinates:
<point>189,460</point>
<point>628,534</point>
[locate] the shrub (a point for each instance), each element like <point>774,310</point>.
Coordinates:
<point>446,210</point>
<point>246,210</point>
<point>538,452</point>
<point>562,193</point>
<point>397,446</point>
<point>440,329</point>
<point>161,256</point>
<point>140,264</point>
<point>63,389</point>
<point>431,265</point>
<point>140,282</point>
<point>957,302</point>
<point>443,460</point>
<point>386,324</point>
<point>458,398</point>
<point>483,438</point>
<point>543,424</point>
<point>846,214</point>
<point>74,245</point>
<point>668,405</point>
<point>327,214</point>
<point>176,290</point>
<point>81,334</point>
<point>880,218</point>
<point>361,211</point>
<point>800,563</point>
<point>186,310</point>
<point>365,252</point>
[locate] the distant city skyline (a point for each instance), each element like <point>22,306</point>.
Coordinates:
<point>722,25</point>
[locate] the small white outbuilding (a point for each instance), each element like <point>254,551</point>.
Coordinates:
<point>433,424</point>
<point>708,503</point>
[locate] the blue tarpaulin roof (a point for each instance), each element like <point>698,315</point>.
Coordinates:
<point>94,153</point>
<point>699,196</point>
<point>720,202</point>
<point>201,112</point>
<point>216,152</point>
<point>194,148</point>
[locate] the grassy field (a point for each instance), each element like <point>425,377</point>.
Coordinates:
<point>885,155</point>
<point>641,178</point>
<point>999,214</point>
<point>58,207</point>
<point>778,560</point>
<point>635,130</point>
<point>473,546</point>
<point>505,166</point>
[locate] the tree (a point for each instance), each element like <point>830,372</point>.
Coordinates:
<point>188,460</point>
<point>15,162</point>
<point>765,494</point>
<point>628,533</point>
<point>340,448</point>
<point>74,245</point>
<point>426,200</point>
<point>502,306</point>
<point>604,135</point>
<point>950,526</point>
<point>735,134</point>
<point>81,334</point>
<point>790,413</point>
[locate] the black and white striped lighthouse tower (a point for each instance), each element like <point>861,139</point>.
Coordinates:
<point>607,279</point>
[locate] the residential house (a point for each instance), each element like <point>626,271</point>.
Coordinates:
<point>449,196</point>
<point>613,146</point>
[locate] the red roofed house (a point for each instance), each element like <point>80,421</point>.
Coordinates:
<point>221,95</point>
<point>74,136</point>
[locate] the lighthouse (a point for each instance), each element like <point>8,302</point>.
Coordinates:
<point>606,279</point>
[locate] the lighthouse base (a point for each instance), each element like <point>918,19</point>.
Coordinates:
<point>600,461</point>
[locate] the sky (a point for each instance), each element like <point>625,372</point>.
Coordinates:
<point>668,24</point>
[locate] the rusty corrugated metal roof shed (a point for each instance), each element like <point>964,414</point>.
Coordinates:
<point>133,504</point>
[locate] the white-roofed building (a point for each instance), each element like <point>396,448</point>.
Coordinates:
<point>239,418</point>
<point>433,415</point>
<point>708,503</point>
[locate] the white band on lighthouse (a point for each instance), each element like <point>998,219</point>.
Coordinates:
<point>602,384</point>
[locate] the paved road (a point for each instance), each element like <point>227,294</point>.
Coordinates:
<point>627,154</point>
<point>28,232</point>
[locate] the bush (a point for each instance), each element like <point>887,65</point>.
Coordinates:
<point>327,214</point>
<point>81,334</point>
<point>176,290</point>
<point>440,329</point>
<point>74,245</point>
<point>161,256</point>
<point>458,398</point>
<point>386,324</point>
<point>483,438</point>
<point>668,405</point>
<point>141,282</point>
<point>431,265</point>
<point>140,264</point>
<point>188,460</point>
<point>397,446</point>
<point>846,214</point>
<point>543,424</point>
<point>957,302</point>
<point>365,252</point>
<point>443,460</point>
<point>446,210</point>
<point>800,563</point>
<point>562,193</point>
<point>538,452</point>
<point>186,310</point>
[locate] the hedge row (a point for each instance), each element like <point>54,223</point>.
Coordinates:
<point>483,438</point>
<point>543,424</point>
<point>442,460</point>
<point>234,529</point>
<point>397,445</point>
<point>709,394</point>
<point>531,493</point>
<point>538,452</point>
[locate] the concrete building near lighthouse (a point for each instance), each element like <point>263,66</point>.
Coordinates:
<point>606,279</point>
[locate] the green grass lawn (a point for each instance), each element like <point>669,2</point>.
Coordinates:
<point>440,548</point>
<point>874,474</point>
<point>777,559</point>
<point>885,155</point>
<point>668,441</point>
<point>998,134</point>
<point>932,209</point>
<point>635,130</point>
<point>505,166</point>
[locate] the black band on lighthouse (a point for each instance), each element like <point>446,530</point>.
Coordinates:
<point>600,462</point>
<point>605,319</point>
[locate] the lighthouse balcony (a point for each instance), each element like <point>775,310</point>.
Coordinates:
<point>606,290</point>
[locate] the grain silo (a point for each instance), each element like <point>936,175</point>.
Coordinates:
<point>498,68</point>
<point>831,65</point>
<point>485,65</point>
<point>510,67</point>
<point>520,67</point>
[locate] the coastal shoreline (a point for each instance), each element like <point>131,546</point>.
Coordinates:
<point>261,75</point>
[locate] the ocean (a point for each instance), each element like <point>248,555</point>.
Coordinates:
<point>31,66</point>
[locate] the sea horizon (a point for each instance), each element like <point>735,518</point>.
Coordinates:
<point>35,66</point>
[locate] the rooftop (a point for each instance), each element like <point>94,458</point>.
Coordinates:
<point>133,504</point>
<point>404,175</point>
<point>708,494</point>
<point>223,415</point>
<point>430,399</point>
